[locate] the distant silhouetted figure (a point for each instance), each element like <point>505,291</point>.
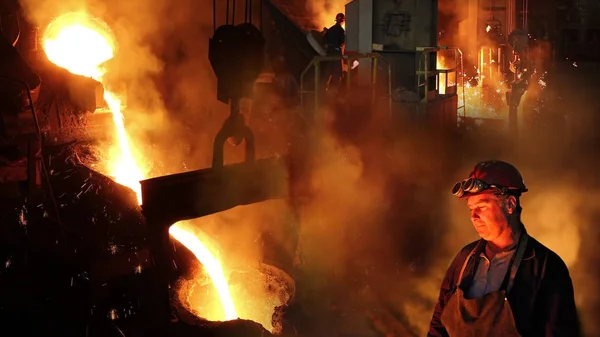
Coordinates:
<point>335,37</point>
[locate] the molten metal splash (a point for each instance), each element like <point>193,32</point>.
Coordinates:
<point>82,44</point>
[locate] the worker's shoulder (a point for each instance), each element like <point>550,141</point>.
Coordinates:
<point>553,261</point>
<point>336,28</point>
<point>469,247</point>
<point>464,252</point>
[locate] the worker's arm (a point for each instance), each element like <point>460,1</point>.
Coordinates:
<point>436,328</point>
<point>558,301</point>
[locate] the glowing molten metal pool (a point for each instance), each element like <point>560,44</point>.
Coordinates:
<point>82,44</point>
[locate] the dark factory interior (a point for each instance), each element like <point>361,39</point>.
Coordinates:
<point>187,168</point>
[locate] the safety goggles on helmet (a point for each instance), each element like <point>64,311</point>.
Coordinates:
<point>473,186</point>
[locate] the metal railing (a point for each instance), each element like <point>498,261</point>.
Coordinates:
<point>491,61</point>
<point>318,81</point>
<point>424,74</point>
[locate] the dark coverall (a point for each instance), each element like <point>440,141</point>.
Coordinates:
<point>523,70</point>
<point>539,302</point>
<point>335,37</point>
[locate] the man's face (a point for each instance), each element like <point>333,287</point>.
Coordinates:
<point>488,215</point>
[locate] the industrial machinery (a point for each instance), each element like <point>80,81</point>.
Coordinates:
<point>395,46</point>
<point>482,29</point>
<point>236,54</point>
<point>189,195</point>
<point>184,196</point>
<point>244,183</point>
<point>20,133</point>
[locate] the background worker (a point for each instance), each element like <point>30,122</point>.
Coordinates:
<point>335,38</point>
<point>522,69</point>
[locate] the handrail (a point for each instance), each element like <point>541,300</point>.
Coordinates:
<point>423,70</point>
<point>316,61</point>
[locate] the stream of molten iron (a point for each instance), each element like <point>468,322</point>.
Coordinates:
<point>81,45</point>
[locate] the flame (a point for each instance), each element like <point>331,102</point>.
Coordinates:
<point>82,44</point>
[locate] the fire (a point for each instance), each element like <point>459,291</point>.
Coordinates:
<point>82,44</point>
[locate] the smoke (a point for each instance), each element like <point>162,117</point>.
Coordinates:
<point>324,11</point>
<point>161,71</point>
<point>560,215</point>
<point>364,223</point>
<point>381,226</point>
<point>456,26</point>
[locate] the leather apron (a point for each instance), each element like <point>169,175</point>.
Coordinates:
<point>489,315</point>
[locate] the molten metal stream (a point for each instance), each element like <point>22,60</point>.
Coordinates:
<point>81,44</point>
<point>212,265</point>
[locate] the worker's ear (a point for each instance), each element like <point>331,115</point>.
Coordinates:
<point>510,204</point>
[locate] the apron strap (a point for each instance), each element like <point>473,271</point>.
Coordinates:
<point>514,264</point>
<point>516,261</point>
<point>473,252</point>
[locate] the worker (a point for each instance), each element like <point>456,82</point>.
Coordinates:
<point>335,38</point>
<point>507,283</point>
<point>522,69</point>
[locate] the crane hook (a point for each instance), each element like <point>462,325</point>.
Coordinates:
<point>234,127</point>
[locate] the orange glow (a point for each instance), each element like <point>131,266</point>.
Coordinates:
<point>474,98</point>
<point>325,11</point>
<point>212,265</point>
<point>82,44</point>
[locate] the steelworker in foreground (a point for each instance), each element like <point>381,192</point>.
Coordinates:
<point>507,283</point>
